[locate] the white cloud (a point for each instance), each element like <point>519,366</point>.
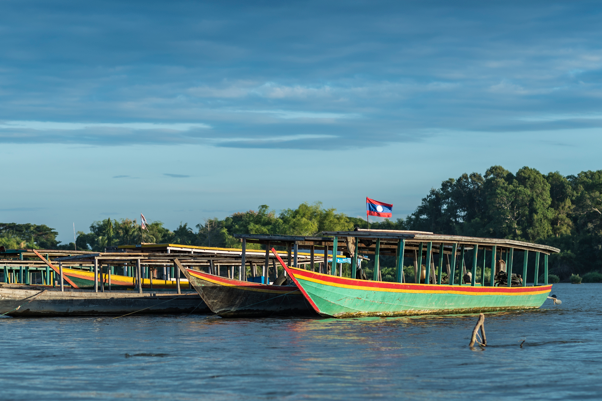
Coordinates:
<point>68,126</point>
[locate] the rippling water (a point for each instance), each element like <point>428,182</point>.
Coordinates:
<point>191,357</point>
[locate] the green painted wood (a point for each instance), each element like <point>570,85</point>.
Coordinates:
<point>545,269</point>
<point>5,274</point>
<point>376,261</point>
<point>47,275</point>
<point>419,265</point>
<point>335,243</point>
<point>440,268</point>
<point>536,278</point>
<point>461,269</point>
<point>429,249</point>
<point>475,259</point>
<point>483,268</point>
<point>401,247</point>
<point>493,263</point>
<point>509,266</point>
<point>350,301</point>
<point>452,269</point>
<point>525,265</point>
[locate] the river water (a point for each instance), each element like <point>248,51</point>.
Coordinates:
<point>192,357</point>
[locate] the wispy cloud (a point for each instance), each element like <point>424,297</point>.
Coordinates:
<point>176,175</point>
<point>333,73</point>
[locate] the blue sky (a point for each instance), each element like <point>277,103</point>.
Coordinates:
<point>192,110</point>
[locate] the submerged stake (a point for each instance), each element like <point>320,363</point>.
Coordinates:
<point>480,324</point>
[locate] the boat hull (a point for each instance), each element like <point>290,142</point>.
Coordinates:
<point>34,301</point>
<point>233,298</point>
<point>342,297</point>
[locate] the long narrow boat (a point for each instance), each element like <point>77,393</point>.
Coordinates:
<point>20,300</point>
<point>234,298</point>
<point>85,279</point>
<point>334,296</point>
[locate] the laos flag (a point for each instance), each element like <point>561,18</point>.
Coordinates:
<point>380,209</point>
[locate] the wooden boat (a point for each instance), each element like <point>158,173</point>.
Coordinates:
<point>19,300</point>
<point>334,296</point>
<point>85,279</point>
<point>234,298</point>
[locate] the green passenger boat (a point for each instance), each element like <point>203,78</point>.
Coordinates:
<point>447,282</point>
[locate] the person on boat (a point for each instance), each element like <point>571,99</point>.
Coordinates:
<point>468,278</point>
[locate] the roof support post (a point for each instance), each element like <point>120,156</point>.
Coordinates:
<point>376,261</point>
<point>312,258</point>
<point>5,274</point>
<point>178,287</point>
<point>296,255</point>
<point>242,274</point>
<point>95,274</point>
<point>475,259</point>
<point>536,275</point>
<point>61,277</point>
<point>401,247</point>
<point>335,242</point>
<point>525,264</point>
<point>418,265</point>
<point>493,265</point>
<point>452,271</point>
<point>440,267</point>
<point>509,267</point>
<point>324,269</point>
<point>483,268</point>
<point>462,268</point>
<point>427,277</point>
<point>354,261</point>
<point>139,276</point>
<point>545,269</point>
<point>266,266</point>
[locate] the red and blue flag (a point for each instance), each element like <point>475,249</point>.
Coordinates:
<point>379,209</point>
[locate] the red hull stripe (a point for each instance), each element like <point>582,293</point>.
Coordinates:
<point>413,287</point>
<point>237,283</point>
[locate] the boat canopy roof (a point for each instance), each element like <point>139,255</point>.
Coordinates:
<point>390,238</point>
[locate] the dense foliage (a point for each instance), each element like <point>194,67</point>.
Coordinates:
<point>562,211</point>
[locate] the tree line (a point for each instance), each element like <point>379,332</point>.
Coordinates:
<point>552,209</point>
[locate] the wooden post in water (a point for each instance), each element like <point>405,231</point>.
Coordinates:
<point>545,269</point>
<point>475,259</point>
<point>536,278</point>
<point>335,243</point>
<point>509,267</point>
<point>427,277</point>
<point>376,261</point>
<point>401,247</point>
<point>452,271</point>
<point>480,325</point>
<point>95,274</point>
<point>493,265</point>
<point>61,273</point>
<point>525,263</point>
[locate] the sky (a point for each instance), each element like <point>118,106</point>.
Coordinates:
<point>189,110</point>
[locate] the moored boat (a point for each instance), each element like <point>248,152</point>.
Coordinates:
<point>235,298</point>
<point>334,296</point>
